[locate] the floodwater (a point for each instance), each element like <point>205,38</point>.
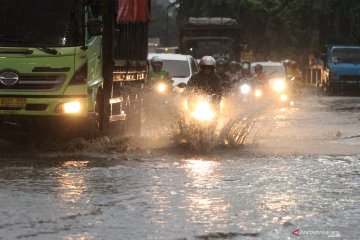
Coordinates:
<point>297,177</point>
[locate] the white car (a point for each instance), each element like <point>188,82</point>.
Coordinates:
<point>181,67</point>
<point>274,70</point>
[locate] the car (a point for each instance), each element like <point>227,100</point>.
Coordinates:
<point>181,67</point>
<point>274,70</point>
<point>277,79</point>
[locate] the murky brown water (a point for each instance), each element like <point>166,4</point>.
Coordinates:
<point>266,190</point>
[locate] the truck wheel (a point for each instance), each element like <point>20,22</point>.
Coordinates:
<point>95,123</point>
<point>133,120</point>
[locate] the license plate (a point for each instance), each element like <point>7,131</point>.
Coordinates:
<point>12,102</point>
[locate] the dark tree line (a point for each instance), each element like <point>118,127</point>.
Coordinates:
<point>286,26</point>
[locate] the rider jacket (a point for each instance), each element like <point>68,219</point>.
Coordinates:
<point>226,80</point>
<point>208,84</point>
<point>162,75</point>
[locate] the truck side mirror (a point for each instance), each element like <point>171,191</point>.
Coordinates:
<point>95,27</point>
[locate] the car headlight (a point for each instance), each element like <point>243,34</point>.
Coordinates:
<point>245,89</point>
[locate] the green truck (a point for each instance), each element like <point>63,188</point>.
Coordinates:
<point>72,66</point>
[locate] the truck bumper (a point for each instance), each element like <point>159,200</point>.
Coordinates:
<point>56,127</point>
<point>14,105</point>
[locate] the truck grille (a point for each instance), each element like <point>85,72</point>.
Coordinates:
<point>38,83</point>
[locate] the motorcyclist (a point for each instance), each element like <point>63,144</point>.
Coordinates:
<point>243,74</point>
<point>157,73</point>
<point>233,68</point>
<point>157,103</point>
<point>206,81</point>
<point>220,69</point>
<point>259,76</point>
<point>294,72</point>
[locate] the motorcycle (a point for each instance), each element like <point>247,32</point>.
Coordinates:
<point>198,119</point>
<point>158,104</point>
<point>244,96</point>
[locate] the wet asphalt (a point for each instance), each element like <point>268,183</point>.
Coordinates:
<point>296,177</point>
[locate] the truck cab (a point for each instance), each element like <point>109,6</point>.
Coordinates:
<point>218,37</point>
<point>341,68</point>
<point>72,64</point>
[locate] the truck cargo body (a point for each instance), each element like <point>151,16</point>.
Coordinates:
<point>72,59</point>
<point>219,37</point>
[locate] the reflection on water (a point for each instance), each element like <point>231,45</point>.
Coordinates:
<point>72,184</point>
<point>200,168</point>
<point>206,204</point>
<point>175,198</point>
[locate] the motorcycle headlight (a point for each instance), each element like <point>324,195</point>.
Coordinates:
<point>202,111</point>
<point>283,97</point>
<point>258,93</point>
<point>279,85</point>
<point>161,87</point>
<point>179,90</point>
<point>245,89</point>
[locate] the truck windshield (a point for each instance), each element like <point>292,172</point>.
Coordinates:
<point>345,55</point>
<point>39,23</point>
<point>218,48</point>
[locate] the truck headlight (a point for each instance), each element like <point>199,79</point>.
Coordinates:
<point>69,107</point>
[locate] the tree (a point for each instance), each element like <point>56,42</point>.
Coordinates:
<point>286,26</point>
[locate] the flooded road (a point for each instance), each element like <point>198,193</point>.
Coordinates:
<point>297,177</point>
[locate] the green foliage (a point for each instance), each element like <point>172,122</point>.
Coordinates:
<point>286,26</point>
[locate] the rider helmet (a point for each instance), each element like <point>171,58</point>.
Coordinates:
<point>207,61</point>
<point>293,64</point>
<point>221,62</point>
<point>258,68</point>
<point>155,59</point>
<point>156,63</point>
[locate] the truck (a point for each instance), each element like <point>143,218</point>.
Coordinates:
<point>218,37</point>
<point>341,68</point>
<point>73,67</point>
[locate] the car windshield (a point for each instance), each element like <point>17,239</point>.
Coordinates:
<point>273,71</point>
<point>177,68</point>
<point>37,23</point>
<point>345,55</point>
